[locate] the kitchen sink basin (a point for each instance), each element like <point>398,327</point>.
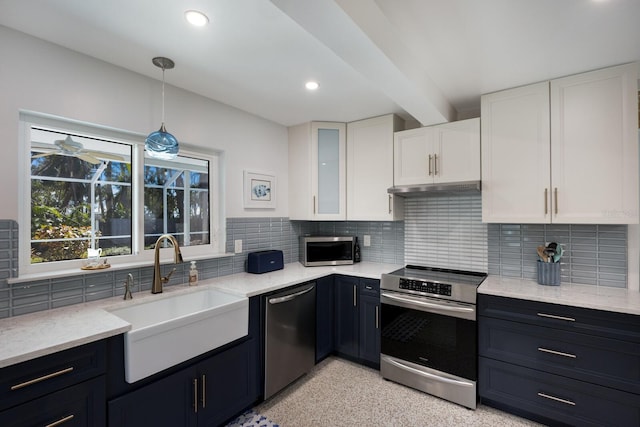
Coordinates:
<point>172,329</point>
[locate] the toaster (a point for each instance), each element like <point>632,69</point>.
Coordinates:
<point>265,261</point>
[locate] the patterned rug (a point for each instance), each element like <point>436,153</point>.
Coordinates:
<point>252,419</point>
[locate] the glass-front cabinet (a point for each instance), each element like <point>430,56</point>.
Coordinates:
<point>317,171</point>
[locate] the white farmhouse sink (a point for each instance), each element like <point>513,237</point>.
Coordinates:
<point>172,329</point>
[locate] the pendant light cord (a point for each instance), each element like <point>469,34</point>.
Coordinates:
<point>163,96</point>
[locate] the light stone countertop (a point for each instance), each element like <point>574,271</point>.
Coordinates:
<point>585,296</point>
<point>38,334</point>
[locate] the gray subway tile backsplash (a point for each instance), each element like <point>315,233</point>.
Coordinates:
<point>595,254</point>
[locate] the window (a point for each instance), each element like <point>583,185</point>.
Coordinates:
<point>87,187</point>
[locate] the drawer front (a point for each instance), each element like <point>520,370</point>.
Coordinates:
<point>80,405</point>
<point>593,322</point>
<point>603,361</point>
<point>370,287</point>
<point>34,378</point>
<point>554,397</point>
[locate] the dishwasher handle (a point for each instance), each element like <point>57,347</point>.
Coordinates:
<point>279,300</point>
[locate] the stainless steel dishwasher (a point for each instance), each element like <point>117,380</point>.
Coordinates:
<point>290,336</point>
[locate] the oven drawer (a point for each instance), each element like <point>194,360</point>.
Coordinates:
<point>555,398</point>
<point>612,363</point>
<point>607,324</point>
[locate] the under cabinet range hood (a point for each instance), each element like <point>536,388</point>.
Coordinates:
<point>422,190</point>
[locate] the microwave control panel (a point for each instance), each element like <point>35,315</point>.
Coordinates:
<point>425,286</point>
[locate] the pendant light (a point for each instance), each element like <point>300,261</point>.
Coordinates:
<point>161,144</point>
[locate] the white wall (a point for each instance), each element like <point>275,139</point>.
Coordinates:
<point>38,76</point>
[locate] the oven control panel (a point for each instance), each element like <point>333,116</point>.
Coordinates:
<point>425,286</point>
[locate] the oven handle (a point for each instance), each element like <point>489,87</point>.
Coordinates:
<point>441,307</point>
<point>427,374</point>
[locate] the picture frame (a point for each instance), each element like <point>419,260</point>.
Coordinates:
<point>259,190</point>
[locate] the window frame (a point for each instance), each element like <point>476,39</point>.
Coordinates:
<point>139,256</point>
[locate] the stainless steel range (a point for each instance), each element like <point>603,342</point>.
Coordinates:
<point>429,335</point>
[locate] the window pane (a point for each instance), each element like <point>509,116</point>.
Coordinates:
<point>80,196</point>
<point>170,206</point>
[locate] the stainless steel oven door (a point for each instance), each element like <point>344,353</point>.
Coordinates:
<point>437,334</point>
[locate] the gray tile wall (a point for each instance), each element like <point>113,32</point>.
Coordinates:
<point>446,231</point>
<point>594,254</point>
<point>255,233</point>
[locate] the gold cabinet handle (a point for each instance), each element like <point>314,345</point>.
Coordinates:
<point>204,396</point>
<point>546,201</point>
<point>435,164</point>
<point>195,395</point>
<point>557,353</point>
<point>557,399</point>
<point>429,164</point>
<point>61,421</point>
<point>42,378</point>
<point>555,200</point>
<point>377,317</point>
<point>553,316</point>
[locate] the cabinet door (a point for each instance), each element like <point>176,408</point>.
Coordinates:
<point>227,384</point>
<point>171,401</point>
<point>411,151</point>
<point>324,317</point>
<point>594,147</point>
<point>79,405</point>
<point>328,170</point>
<point>346,320</point>
<point>369,322</point>
<point>457,151</point>
<point>370,170</point>
<point>515,155</point>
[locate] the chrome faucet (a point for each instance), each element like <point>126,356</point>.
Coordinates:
<point>158,279</point>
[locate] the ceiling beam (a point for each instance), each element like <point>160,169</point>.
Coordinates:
<point>359,33</point>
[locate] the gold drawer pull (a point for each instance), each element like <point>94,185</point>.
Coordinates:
<point>557,353</point>
<point>552,316</point>
<point>40,379</point>
<point>60,421</point>
<point>204,398</point>
<point>557,399</point>
<point>195,395</point>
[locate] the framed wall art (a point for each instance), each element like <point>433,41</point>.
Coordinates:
<point>259,190</point>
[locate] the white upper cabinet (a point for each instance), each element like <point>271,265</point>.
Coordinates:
<point>515,155</point>
<point>564,151</point>
<point>317,171</point>
<point>594,147</point>
<point>444,153</point>
<point>370,170</point>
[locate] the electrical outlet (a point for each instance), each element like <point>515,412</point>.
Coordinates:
<point>367,240</point>
<point>238,246</point>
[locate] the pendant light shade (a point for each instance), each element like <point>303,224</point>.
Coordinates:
<point>161,144</point>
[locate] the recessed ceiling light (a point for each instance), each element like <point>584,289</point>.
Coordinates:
<point>195,18</point>
<point>312,85</point>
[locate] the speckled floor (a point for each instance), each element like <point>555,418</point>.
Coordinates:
<point>341,393</point>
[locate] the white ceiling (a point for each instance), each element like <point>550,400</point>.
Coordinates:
<point>426,59</point>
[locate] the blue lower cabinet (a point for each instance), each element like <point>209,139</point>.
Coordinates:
<point>324,317</point>
<point>357,321</point>
<point>207,394</point>
<point>79,405</point>
<point>558,364</point>
<point>553,399</point>
<point>208,391</point>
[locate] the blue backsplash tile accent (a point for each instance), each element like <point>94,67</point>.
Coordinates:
<point>593,254</point>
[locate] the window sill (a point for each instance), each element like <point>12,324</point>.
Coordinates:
<point>120,266</point>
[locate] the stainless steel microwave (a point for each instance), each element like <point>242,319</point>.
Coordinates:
<point>322,250</point>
